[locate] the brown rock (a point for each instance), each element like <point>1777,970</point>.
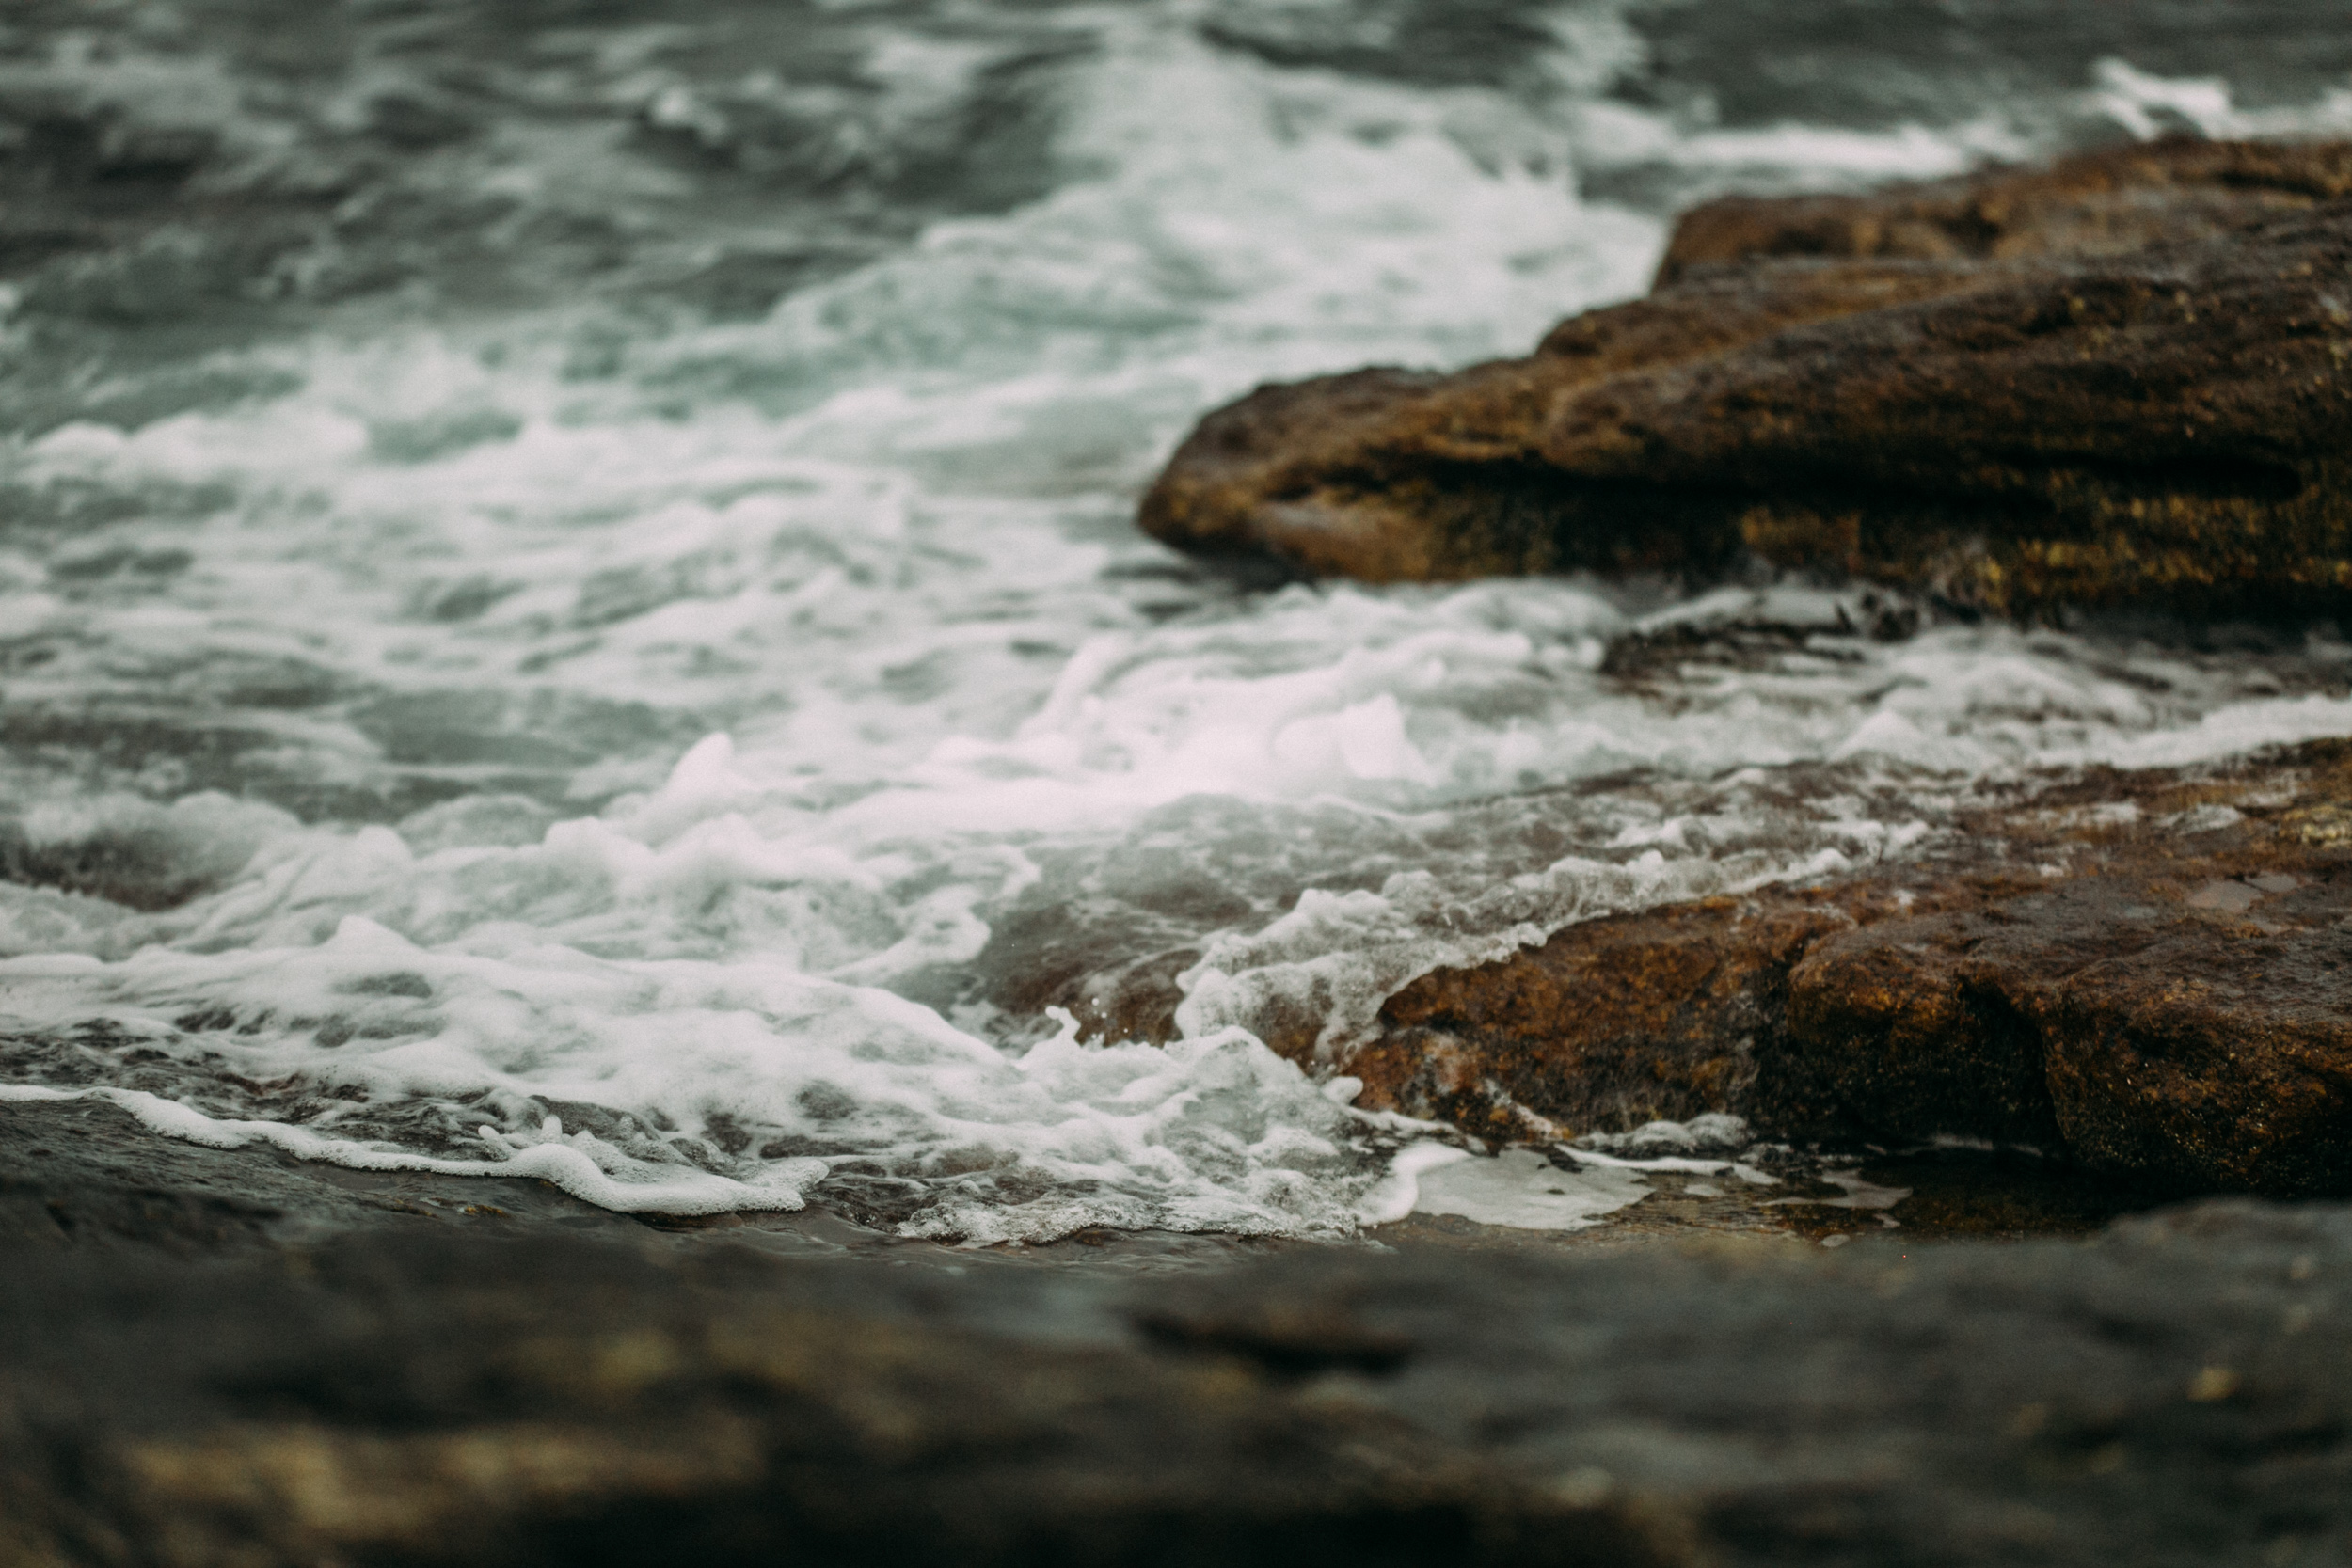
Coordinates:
<point>2163,1000</point>
<point>2015,426</point>
<point>1660,1015</point>
<point>2103,203</point>
<point>2187,1026</point>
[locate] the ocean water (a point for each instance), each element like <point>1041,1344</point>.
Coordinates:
<point>568,603</point>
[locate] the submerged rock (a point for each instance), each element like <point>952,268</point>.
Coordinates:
<point>2150,973</point>
<point>2117,383</point>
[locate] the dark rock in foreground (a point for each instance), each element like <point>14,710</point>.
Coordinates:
<point>2150,973</point>
<point>422,1400</point>
<point>2120,383</point>
<point>402,1392</point>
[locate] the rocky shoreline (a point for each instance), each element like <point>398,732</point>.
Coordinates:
<point>2109,387</point>
<point>2113,387</point>
<point>2138,972</point>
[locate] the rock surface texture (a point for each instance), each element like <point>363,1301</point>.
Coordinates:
<point>2120,382</point>
<point>2147,971</point>
<point>416,1385</point>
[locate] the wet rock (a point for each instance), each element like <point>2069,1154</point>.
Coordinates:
<point>2105,203</point>
<point>1961,1405</point>
<point>2143,972</point>
<point>1759,630</point>
<point>2126,391</point>
<point>1613,1022</point>
<point>2192,1024</point>
<point>2177,1393</point>
<point>1135,1001</point>
<point>429,1400</point>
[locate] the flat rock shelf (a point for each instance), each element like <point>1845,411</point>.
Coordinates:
<point>314,1366</point>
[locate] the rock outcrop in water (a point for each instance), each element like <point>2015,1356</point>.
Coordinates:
<point>377,1387</point>
<point>2119,383</point>
<point>2150,971</point>
<point>2094,204</point>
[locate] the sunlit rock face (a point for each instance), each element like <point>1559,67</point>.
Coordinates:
<point>2117,383</point>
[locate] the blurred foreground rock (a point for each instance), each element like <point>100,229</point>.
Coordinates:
<point>2120,382</point>
<point>377,1387</point>
<point>2150,971</point>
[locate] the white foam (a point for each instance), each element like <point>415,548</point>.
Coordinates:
<point>1525,1189</point>
<point>2233,728</point>
<point>1206,1134</point>
<point>1712,1132</point>
<point>1522,1190</point>
<point>2149,105</point>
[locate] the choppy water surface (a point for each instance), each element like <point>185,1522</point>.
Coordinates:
<point>567,599</point>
